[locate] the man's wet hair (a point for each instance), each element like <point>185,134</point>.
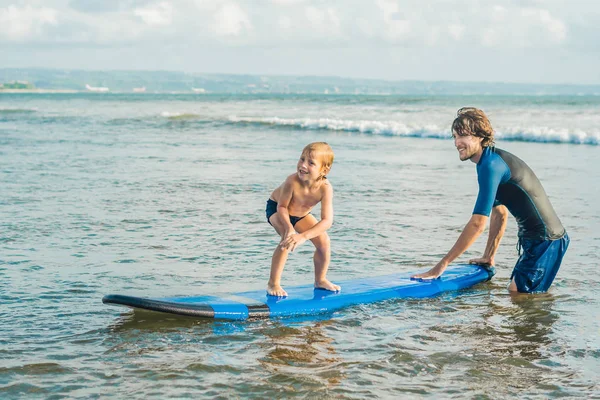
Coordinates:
<point>473,121</point>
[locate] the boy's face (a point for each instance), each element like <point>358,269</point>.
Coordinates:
<point>309,167</point>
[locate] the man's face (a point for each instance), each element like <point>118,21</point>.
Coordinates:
<point>468,146</point>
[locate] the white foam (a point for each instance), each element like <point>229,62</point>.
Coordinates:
<point>391,128</point>
<point>398,128</point>
<point>550,135</point>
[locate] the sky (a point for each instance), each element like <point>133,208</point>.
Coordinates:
<point>529,41</point>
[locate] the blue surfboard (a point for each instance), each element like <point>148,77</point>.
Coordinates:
<point>306,300</point>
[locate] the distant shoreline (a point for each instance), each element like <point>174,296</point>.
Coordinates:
<point>293,93</point>
<point>38,91</point>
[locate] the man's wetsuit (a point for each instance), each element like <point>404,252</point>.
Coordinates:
<point>505,179</point>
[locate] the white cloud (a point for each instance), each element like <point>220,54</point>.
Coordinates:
<point>556,28</point>
<point>498,13</point>
<point>324,21</point>
<point>289,23</point>
<point>365,27</point>
<point>489,37</point>
<point>287,2</point>
<point>157,14</point>
<point>456,31</point>
<point>388,7</point>
<point>20,23</point>
<point>523,28</point>
<point>396,26</point>
<point>231,20</point>
<point>285,23</point>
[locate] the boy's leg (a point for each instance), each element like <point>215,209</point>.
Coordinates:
<point>322,255</point>
<point>277,262</point>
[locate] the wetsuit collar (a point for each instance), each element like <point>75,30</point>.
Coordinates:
<point>486,150</point>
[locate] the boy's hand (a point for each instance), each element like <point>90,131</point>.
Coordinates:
<point>287,234</point>
<point>292,241</point>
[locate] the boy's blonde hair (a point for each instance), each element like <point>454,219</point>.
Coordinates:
<point>321,151</point>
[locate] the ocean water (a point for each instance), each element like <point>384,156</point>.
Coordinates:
<point>161,195</point>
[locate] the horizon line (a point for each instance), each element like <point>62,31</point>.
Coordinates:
<point>304,76</point>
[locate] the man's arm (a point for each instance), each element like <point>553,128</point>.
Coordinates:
<point>497,228</point>
<point>470,233</point>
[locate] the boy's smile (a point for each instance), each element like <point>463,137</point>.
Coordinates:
<point>308,168</point>
<point>302,172</point>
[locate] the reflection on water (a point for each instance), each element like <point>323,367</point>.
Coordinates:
<point>531,322</point>
<point>151,321</point>
<point>302,355</point>
<point>515,340</point>
<point>513,343</point>
<point>517,325</point>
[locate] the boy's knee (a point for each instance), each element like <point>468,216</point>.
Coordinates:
<point>322,242</point>
<point>281,250</point>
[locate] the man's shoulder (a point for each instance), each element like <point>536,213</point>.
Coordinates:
<point>493,154</point>
<point>502,153</point>
<point>511,160</point>
<point>493,161</point>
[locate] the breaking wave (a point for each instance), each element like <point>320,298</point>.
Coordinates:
<point>396,128</point>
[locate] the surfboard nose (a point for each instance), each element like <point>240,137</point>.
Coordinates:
<point>490,270</point>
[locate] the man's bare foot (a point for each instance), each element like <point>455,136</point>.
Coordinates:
<point>276,290</point>
<point>326,285</point>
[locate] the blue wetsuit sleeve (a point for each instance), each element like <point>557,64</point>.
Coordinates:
<point>489,177</point>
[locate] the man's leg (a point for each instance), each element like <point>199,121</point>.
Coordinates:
<point>538,265</point>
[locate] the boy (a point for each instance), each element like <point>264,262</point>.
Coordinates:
<point>288,211</point>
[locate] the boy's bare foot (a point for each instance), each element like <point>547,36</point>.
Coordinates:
<point>276,290</point>
<point>325,284</point>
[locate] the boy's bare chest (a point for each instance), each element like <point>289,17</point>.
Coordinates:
<point>306,197</point>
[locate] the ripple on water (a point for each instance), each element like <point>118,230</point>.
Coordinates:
<point>95,207</point>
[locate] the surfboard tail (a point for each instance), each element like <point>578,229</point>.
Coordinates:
<point>192,310</point>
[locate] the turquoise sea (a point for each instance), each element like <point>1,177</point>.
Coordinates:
<point>164,194</point>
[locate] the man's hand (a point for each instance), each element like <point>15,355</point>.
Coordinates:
<point>486,261</point>
<point>433,272</point>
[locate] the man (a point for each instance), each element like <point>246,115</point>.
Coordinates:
<point>506,184</point>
